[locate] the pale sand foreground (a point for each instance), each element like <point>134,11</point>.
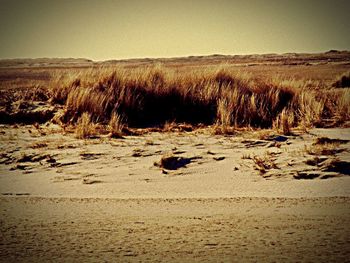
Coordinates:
<point>44,162</point>
<point>70,200</point>
<point>175,230</point>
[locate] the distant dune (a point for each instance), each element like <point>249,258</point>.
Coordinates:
<point>287,58</point>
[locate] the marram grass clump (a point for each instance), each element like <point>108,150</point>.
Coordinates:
<point>153,96</point>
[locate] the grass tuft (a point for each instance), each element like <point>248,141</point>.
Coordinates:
<point>116,126</point>
<point>85,128</point>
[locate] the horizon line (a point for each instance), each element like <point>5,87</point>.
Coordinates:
<point>178,57</point>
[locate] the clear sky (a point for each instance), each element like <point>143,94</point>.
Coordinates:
<point>114,29</point>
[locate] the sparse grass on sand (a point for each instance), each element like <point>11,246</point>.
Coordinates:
<point>265,163</point>
<point>156,96</point>
<point>325,146</point>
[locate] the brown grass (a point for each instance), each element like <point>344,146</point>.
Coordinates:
<point>284,122</point>
<point>265,163</point>
<point>116,126</point>
<point>342,81</point>
<point>154,96</point>
<point>85,128</point>
<point>328,148</point>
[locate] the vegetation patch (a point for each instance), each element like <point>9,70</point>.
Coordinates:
<point>326,140</point>
<point>343,81</point>
<point>156,96</point>
<point>263,164</point>
<point>172,162</point>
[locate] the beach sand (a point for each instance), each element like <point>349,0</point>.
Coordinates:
<point>107,200</point>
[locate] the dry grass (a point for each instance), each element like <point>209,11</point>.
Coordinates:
<point>155,96</point>
<point>326,146</point>
<point>329,148</point>
<point>265,163</point>
<point>284,122</point>
<point>342,81</point>
<point>326,140</point>
<point>85,128</point>
<point>116,126</point>
<point>246,157</point>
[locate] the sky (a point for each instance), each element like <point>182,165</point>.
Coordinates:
<point>119,29</point>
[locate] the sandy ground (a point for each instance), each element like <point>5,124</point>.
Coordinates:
<point>218,166</point>
<point>69,200</point>
<point>175,230</point>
